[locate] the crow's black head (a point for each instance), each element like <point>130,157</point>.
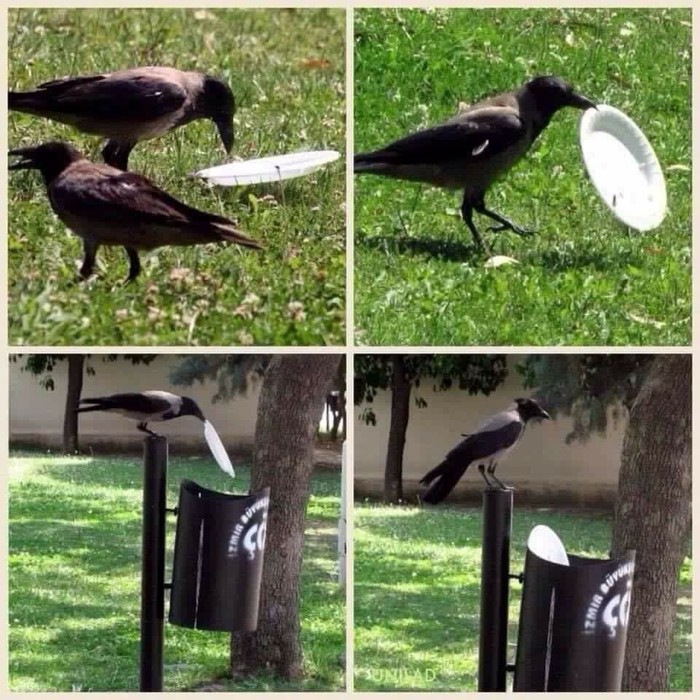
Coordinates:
<point>50,159</point>
<point>190,408</point>
<point>529,408</point>
<point>551,93</point>
<point>216,102</point>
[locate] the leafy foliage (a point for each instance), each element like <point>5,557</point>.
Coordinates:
<point>43,365</point>
<point>472,373</point>
<point>234,374</point>
<point>592,389</point>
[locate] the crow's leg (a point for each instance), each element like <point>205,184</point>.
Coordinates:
<point>482,471</point>
<point>492,473</point>
<point>116,154</point>
<point>143,427</point>
<point>505,224</point>
<point>467,209</point>
<point>90,250</point>
<point>134,264</point>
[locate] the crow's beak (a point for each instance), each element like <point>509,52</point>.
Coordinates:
<point>225,127</point>
<point>26,161</point>
<point>544,414</point>
<point>581,102</point>
<point>200,415</point>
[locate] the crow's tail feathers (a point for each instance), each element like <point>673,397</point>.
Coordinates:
<point>446,477</point>
<point>230,234</point>
<point>100,404</point>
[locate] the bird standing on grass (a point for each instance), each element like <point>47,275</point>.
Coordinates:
<point>106,206</point>
<point>129,106</point>
<point>144,408</point>
<point>472,150</point>
<point>489,444</point>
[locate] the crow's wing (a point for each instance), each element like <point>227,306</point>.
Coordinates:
<point>485,443</point>
<point>136,98</point>
<point>116,197</point>
<point>136,403</point>
<point>468,138</point>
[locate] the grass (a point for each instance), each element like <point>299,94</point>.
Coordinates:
<point>417,593</point>
<point>75,539</point>
<point>584,278</point>
<point>287,70</point>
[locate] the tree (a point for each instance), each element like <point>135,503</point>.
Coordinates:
<point>401,374</point>
<point>653,515</point>
<point>652,512</point>
<point>294,388</point>
<point>292,397</point>
<point>43,365</point>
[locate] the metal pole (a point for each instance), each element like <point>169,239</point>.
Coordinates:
<point>155,465</point>
<point>495,568</point>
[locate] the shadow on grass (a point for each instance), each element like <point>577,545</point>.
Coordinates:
<point>452,251</point>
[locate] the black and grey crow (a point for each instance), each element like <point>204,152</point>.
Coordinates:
<point>128,106</point>
<point>145,408</point>
<point>106,206</point>
<point>489,444</point>
<point>473,149</point>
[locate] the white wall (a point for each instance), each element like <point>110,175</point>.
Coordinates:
<point>542,461</point>
<point>37,414</point>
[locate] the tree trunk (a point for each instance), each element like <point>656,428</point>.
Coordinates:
<point>652,515</point>
<point>289,410</point>
<point>400,400</point>
<point>76,364</point>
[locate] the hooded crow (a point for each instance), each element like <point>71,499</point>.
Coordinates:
<point>106,206</point>
<point>473,149</point>
<point>144,408</point>
<point>129,106</point>
<point>489,444</point>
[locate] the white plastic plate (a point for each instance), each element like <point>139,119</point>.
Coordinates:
<point>217,448</point>
<point>623,167</point>
<point>270,169</point>
<point>545,543</point>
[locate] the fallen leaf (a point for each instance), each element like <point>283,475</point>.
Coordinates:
<point>678,166</point>
<point>314,63</point>
<point>646,321</point>
<point>498,260</point>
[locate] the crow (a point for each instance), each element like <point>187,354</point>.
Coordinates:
<point>473,149</point>
<point>106,206</point>
<point>144,408</point>
<point>132,105</point>
<point>489,444</point>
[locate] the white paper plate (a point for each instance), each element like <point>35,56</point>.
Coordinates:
<point>545,543</point>
<point>270,169</point>
<point>623,167</point>
<point>217,448</point>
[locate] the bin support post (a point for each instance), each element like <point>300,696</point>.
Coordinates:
<point>155,464</point>
<point>495,568</point>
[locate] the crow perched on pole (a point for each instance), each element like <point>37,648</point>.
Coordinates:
<point>489,444</point>
<point>129,106</point>
<point>106,206</point>
<point>144,408</point>
<point>472,150</point>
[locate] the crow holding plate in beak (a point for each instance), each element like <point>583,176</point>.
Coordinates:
<point>144,408</point>
<point>106,206</point>
<point>132,105</point>
<point>472,150</point>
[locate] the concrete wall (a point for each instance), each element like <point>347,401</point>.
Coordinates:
<point>543,468</point>
<point>36,415</point>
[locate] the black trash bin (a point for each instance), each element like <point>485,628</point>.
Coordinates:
<point>218,560</point>
<point>573,622</point>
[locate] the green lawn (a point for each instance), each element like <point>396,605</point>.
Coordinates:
<point>584,278</point>
<point>287,71</point>
<point>75,547</point>
<point>417,583</point>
